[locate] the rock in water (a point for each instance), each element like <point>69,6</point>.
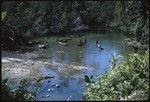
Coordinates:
<point>47,95</point>
<point>57,86</point>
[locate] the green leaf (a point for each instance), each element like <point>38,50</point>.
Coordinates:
<point>87,79</point>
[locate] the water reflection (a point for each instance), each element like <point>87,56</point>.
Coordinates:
<point>70,80</point>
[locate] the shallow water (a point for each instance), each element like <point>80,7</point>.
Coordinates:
<point>97,62</point>
<point>68,83</point>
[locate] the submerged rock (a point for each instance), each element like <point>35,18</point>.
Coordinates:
<point>57,86</point>
<point>47,95</point>
<point>43,96</point>
<point>51,89</point>
<point>53,84</point>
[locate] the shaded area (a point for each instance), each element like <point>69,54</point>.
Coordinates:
<point>28,19</point>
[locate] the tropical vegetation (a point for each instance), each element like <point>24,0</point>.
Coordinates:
<point>127,80</point>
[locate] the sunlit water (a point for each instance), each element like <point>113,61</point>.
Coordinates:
<point>97,62</point>
<point>71,83</point>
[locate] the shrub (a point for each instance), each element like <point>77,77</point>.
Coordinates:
<point>123,81</point>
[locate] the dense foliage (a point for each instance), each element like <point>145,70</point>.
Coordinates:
<point>132,17</point>
<point>22,20</point>
<point>126,81</point>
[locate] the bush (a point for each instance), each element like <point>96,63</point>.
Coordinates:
<point>126,81</point>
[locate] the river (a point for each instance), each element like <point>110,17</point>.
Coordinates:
<point>69,84</point>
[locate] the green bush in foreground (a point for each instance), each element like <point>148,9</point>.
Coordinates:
<point>126,81</point>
